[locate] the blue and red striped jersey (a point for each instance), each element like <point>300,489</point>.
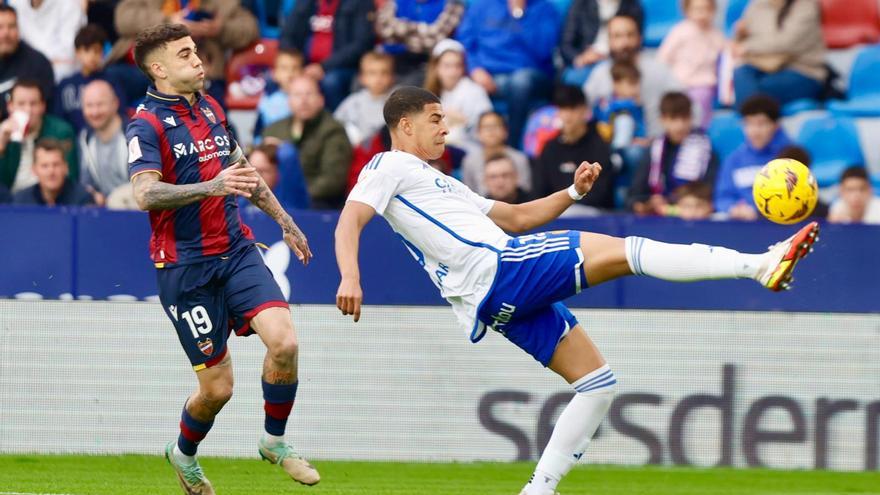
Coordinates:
<point>186,144</point>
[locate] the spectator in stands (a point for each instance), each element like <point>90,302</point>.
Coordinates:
<point>585,36</point>
<point>410,29</point>
<point>333,35</point>
<point>280,168</point>
<point>620,117</point>
<point>492,137</point>
<point>781,47</point>
<point>500,180</point>
<point>625,43</point>
<point>273,105</point>
<point>764,140</point>
<point>89,44</point>
<point>800,154</point>
<point>681,156</point>
<point>361,111</point>
<point>102,145</point>
<point>216,25</point>
<point>50,27</point>
<point>577,141</point>
<point>463,100</point>
<point>692,49</point>
<point>324,150</point>
<point>509,45</point>
<point>18,60</point>
<point>691,201</point>
<point>54,187</point>
<point>27,124</point>
<point>857,203</point>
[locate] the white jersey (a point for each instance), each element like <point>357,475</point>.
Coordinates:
<point>442,223</point>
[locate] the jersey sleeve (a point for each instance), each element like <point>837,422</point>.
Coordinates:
<point>375,188</point>
<point>143,148</point>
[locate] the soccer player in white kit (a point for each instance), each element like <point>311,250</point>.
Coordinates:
<point>515,285</point>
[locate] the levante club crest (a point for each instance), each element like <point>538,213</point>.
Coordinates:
<point>209,115</point>
<point>206,346</point>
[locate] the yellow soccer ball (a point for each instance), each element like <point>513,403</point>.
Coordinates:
<point>785,191</point>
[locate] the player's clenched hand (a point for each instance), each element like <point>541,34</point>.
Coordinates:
<point>236,179</point>
<point>585,176</point>
<point>297,242</point>
<point>349,297</point>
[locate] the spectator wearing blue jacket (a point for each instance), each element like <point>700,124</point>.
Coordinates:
<point>764,141</point>
<point>509,46</point>
<point>279,166</point>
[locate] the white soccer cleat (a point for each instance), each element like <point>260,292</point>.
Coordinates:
<point>190,476</point>
<point>775,273</point>
<point>293,464</point>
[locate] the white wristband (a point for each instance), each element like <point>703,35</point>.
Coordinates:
<point>574,194</point>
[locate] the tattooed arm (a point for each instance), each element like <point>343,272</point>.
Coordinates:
<point>263,198</point>
<point>152,194</point>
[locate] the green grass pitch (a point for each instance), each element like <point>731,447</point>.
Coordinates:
<point>145,475</point>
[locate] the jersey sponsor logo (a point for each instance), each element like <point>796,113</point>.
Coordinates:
<point>134,150</point>
<point>502,317</point>
<point>209,115</point>
<point>211,146</point>
<point>206,346</point>
<point>441,273</point>
<point>170,121</point>
<point>443,184</point>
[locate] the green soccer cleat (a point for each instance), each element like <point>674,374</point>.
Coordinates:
<point>293,464</point>
<point>190,476</point>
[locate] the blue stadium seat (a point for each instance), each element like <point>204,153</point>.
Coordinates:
<point>272,10</point>
<point>802,105</point>
<point>735,9</point>
<point>725,133</point>
<point>864,86</point>
<point>660,16</point>
<point>833,143</point>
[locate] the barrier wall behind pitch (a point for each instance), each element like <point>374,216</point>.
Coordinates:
<point>783,390</point>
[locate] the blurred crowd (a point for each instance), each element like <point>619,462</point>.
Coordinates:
<point>528,93</point>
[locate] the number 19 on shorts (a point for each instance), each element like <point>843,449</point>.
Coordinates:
<point>198,320</point>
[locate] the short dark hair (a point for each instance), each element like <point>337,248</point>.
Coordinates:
<point>404,101</point>
<point>796,152</point>
<point>90,35</point>
<point>761,104</point>
<point>675,104</point>
<point>854,172</point>
<point>568,96</point>
<point>625,71</point>
<point>268,149</point>
<point>153,38</point>
<point>29,84</point>
<point>698,189</point>
<point>491,113</point>
<point>51,144</point>
<point>292,52</point>
<point>8,8</point>
<point>631,18</point>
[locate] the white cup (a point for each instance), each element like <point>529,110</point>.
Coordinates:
<point>21,119</point>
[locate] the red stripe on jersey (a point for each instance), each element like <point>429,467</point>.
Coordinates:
<point>163,245</point>
<point>212,210</point>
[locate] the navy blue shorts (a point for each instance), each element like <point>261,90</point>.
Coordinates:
<point>535,273</point>
<point>207,301</point>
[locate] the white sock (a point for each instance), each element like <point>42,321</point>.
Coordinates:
<point>573,431</point>
<point>181,457</point>
<point>270,440</point>
<point>689,262</point>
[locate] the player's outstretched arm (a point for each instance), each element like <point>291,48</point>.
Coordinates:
<point>527,216</point>
<point>263,198</point>
<point>348,231</point>
<point>150,193</point>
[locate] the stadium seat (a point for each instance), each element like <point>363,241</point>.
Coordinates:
<point>725,133</point>
<point>833,143</point>
<point>246,74</point>
<point>864,86</point>
<point>848,23</point>
<point>271,14</point>
<point>802,105</point>
<point>735,9</point>
<point>660,16</point>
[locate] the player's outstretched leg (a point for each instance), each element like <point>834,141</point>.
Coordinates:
<point>215,390</point>
<point>579,362</point>
<point>607,258</point>
<point>280,381</point>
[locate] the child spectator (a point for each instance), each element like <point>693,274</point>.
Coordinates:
<point>463,100</point>
<point>89,43</point>
<point>764,140</point>
<point>681,156</point>
<point>273,103</point>
<point>692,49</point>
<point>492,136</point>
<point>691,201</point>
<point>622,114</point>
<point>279,166</point>
<point>361,111</point>
<point>857,203</point>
